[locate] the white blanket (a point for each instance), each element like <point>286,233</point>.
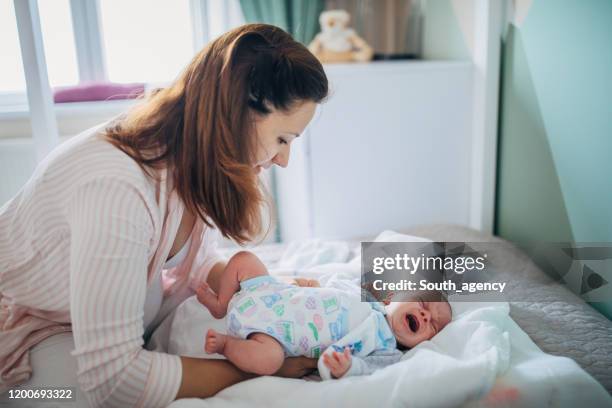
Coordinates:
<point>480,348</point>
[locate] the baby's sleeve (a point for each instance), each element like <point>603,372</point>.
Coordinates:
<point>375,361</point>
<point>371,338</point>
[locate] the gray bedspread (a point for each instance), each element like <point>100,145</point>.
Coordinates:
<point>560,323</point>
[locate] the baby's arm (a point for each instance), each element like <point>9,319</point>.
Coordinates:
<point>242,266</point>
<point>371,345</point>
<point>345,365</point>
<point>375,361</point>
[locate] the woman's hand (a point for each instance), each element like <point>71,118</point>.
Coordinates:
<point>338,363</point>
<point>305,282</point>
<point>297,367</point>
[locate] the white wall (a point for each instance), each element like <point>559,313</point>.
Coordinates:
<point>17,152</point>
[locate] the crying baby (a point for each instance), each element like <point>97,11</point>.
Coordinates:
<point>269,320</point>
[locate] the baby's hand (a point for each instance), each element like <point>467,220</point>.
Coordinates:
<point>338,363</point>
<point>304,282</point>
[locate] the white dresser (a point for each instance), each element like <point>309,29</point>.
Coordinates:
<point>390,149</point>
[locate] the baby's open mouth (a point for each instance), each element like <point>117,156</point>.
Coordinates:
<point>413,323</point>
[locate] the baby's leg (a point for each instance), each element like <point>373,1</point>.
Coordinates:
<point>259,354</point>
<point>242,266</point>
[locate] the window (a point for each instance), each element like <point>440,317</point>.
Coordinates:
<point>58,37</point>
<point>56,27</point>
<point>12,78</point>
<point>146,40</point>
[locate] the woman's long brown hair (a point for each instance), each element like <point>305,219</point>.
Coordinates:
<point>201,126</point>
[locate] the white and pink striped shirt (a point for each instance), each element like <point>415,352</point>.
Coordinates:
<point>79,245</point>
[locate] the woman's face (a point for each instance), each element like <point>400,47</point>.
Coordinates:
<point>277,130</point>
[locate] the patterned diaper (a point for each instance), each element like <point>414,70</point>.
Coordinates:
<point>304,320</point>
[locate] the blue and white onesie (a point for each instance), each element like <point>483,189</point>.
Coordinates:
<point>309,321</point>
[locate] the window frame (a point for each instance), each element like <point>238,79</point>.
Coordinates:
<point>86,25</point>
<point>88,39</point>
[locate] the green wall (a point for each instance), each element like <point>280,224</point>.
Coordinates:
<point>442,37</point>
<point>555,146</point>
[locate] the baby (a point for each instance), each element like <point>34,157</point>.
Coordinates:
<point>268,320</point>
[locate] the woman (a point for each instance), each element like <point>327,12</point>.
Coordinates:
<point>84,243</point>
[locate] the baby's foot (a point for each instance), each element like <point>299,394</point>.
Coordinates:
<point>206,296</point>
<point>215,342</point>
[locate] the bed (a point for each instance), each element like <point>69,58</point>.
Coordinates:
<point>560,324</point>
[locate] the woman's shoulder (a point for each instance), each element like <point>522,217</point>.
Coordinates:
<point>89,157</point>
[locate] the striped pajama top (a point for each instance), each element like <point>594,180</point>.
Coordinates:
<point>79,245</point>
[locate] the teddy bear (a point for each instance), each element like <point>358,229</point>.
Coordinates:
<point>337,42</point>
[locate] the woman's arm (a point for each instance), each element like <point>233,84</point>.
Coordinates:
<point>111,228</point>
<point>203,378</point>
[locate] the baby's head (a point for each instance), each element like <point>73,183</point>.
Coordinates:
<point>418,320</point>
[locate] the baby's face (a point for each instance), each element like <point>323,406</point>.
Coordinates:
<point>414,322</point>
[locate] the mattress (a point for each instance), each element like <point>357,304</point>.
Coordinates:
<point>560,323</point>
